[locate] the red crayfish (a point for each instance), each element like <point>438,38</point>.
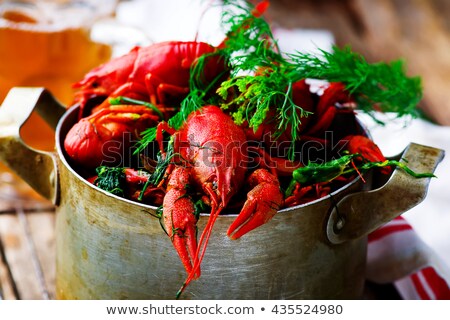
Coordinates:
<point>100,138</point>
<point>211,160</point>
<point>159,73</point>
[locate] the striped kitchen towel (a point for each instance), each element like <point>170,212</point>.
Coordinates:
<point>397,255</point>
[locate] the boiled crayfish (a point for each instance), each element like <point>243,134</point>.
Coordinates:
<point>104,138</point>
<point>211,160</point>
<point>159,73</point>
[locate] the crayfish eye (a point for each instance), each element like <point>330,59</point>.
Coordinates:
<point>95,85</point>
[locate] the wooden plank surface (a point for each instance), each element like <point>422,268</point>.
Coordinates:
<point>27,242</point>
<point>27,270</point>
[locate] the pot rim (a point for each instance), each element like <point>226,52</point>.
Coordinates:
<point>63,158</point>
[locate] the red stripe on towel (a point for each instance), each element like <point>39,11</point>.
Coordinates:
<point>387,230</point>
<point>437,284</point>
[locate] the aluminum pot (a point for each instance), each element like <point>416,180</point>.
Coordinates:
<point>113,248</point>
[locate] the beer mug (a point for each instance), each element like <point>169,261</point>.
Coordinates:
<point>48,44</point>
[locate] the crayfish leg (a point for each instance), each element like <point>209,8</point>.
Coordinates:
<point>161,93</point>
<point>366,148</point>
<point>129,89</point>
<point>216,208</point>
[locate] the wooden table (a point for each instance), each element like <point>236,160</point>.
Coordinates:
<point>27,242</point>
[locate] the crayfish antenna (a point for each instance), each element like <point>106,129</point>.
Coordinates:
<point>180,291</point>
<point>201,249</point>
<point>358,172</point>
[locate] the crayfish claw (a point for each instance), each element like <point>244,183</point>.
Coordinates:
<point>263,202</point>
<point>179,219</point>
<point>186,245</point>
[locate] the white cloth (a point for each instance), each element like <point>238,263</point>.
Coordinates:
<point>397,255</point>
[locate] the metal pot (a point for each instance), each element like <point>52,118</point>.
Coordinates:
<point>112,248</point>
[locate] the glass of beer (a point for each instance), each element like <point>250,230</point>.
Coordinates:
<point>47,44</point>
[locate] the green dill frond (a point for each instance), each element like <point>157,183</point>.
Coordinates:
<point>378,86</point>
<point>197,80</point>
<point>162,164</point>
<point>247,36</point>
<point>111,179</point>
<point>325,172</point>
<point>147,137</point>
<point>242,27</point>
<point>193,102</point>
<point>256,95</point>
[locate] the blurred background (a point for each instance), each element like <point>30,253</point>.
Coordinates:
<point>48,43</point>
<point>416,30</point>
<point>34,32</point>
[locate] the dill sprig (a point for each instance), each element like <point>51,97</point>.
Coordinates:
<point>162,164</point>
<point>111,179</point>
<point>325,172</point>
<point>377,86</point>
<point>261,78</point>
<point>147,137</point>
<point>248,35</point>
<point>188,105</point>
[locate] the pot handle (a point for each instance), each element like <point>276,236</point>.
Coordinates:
<point>37,168</point>
<point>358,214</point>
